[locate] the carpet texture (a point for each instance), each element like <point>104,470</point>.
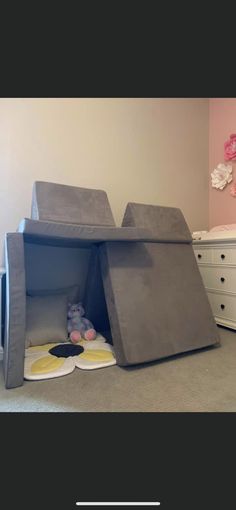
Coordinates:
<point>202,381</point>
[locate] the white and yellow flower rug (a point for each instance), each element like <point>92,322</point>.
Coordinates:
<point>58,359</point>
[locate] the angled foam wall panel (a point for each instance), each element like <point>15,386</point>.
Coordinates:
<point>14,343</point>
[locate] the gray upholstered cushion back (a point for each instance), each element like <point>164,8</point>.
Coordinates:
<point>46,319</point>
<point>168,223</point>
<point>69,204</point>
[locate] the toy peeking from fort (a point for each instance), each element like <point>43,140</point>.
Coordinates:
<point>78,326</point>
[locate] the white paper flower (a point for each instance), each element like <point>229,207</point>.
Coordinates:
<point>221,176</point>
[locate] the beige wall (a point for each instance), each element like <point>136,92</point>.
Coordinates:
<point>144,150</point>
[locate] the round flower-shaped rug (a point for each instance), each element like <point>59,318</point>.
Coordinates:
<point>58,359</point>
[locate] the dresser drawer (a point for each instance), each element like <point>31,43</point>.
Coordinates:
<point>219,278</point>
<point>223,306</point>
<point>224,255</point>
<point>203,255</point>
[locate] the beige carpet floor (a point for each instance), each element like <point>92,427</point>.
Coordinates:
<point>202,381</point>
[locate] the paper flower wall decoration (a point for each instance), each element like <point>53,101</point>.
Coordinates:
<point>221,176</point>
<point>233,190</point>
<point>230,148</point>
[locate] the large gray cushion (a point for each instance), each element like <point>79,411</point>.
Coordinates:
<point>167,223</point>
<point>46,319</point>
<point>70,204</point>
<point>14,343</point>
<point>67,234</point>
<point>156,301</point>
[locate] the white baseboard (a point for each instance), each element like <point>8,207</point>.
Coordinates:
<point>1,353</point>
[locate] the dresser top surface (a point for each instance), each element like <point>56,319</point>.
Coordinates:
<point>215,241</point>
<point>217,237</point>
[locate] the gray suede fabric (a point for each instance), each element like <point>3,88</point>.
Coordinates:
<point>94,299</point>
<point>156,301</point>
<point>149,295</point>
<point>14,343</point>
<point>70,204</point>
<point>46,319</point>
<point>55,267</point>
<point>168,308</point>
<point>65,233</point>
<point>168,223</point>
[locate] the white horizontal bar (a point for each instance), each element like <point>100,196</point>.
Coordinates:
<point>118,503</point>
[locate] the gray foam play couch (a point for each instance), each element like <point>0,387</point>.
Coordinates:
<point>140,283</point>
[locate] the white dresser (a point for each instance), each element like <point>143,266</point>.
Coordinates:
<point>216,259</point>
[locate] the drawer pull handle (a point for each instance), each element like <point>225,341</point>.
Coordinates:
<point>223,256</point>
<point>222,307</point>
<point>199,256</point>
<point>222,279</point>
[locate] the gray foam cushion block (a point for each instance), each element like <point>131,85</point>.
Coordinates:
<point>156,301</point>
<point>46,319</point>
<point>70,204</point>
<point>72,293</point>
<point>14,343</point>
<point>62,231</point>
<point>168,223</point>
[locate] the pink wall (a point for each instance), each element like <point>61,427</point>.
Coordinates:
<point>222,123</point>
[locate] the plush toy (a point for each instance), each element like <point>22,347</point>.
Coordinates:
<point>78,326</point>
